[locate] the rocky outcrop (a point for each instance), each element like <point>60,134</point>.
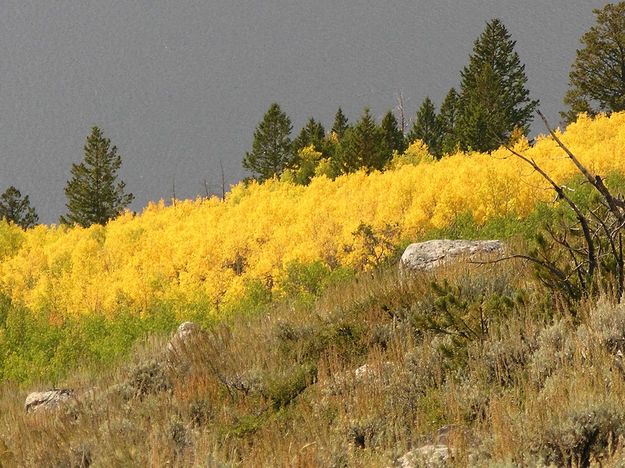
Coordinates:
<point>50,399</point>
<point>430,456</point>
<point>378,373</point>
<point>424,256</point>
<point>441,449</point>
<point>183,341</point>
<point>185,333</point>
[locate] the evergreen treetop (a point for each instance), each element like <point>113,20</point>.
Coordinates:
<point>94,195</point>
<point>340,125</point>
<point>17,209</point>
<point>392,136</point>
<point>312,134</point>
<point>447,122</point>
<point>597,77</point>
<point>272,150</point>
<point>426,127</point>
<point>493,98</point>
<point>362,146</point>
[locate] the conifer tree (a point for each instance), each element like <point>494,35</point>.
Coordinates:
<point>362,146</point>
<point>427,127</point>
<point>447,122</point>
<point>597,77</point>
<point>392,137</point>
<point>312,134</point>
<point>94,195</point>
<point>493,98</point>
<point>272,149</point>
<point>340,124</point>
<point>17,209</point>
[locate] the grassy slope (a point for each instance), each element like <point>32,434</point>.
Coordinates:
<point>518,377</point>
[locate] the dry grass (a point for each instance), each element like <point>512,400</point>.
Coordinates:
<point>286,388</point>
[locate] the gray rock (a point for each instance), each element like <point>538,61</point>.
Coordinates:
<point>431,456</point>
<point>368,371</point>
<point>47,400</point>
<point>186,333</point>
<point>424,256</point>
<point>379,373</point>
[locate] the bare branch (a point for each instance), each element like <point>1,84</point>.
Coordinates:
<point>616,205</point>
<point>562,194</point>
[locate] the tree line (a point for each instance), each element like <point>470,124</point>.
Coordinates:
<point>491,107</point>
<point>94,193</point>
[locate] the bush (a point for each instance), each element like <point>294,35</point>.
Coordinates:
<point>608,323</point>
<point>464,312</point>
<point>554,350</point>
<point>148,378</point>
<point>284,387</point>
<point>582,436</point>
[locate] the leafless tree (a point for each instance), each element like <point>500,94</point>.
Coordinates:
<point>579,257</point>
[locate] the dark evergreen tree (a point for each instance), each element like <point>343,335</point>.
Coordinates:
<point>312,134</point>
<point>597,77</point>
<point>340,124</point>
<point>493,98</point>
<point>427,127</point>
<point>94,195</point>
<point>16,209</point>
<point>447,122</point>
<point>481,123</point>
<point>392,137</point>
<point>272,150</point>
<point>362,147</point>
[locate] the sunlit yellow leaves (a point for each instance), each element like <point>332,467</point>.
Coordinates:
<point>208,250</point>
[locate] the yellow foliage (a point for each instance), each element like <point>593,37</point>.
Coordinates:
<point>208,249</point>
<point>309,153</point>
<point>417,153</point>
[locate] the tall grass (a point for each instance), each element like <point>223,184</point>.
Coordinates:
<point>287,387</point>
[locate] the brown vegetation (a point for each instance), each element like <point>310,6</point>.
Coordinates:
<point>484,352</point>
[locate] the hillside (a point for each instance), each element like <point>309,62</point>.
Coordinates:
<point>206,253</point>
<point>71,296</point>
<point>373,371</point>
<point>310,348</point>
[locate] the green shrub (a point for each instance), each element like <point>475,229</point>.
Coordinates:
<point>582,436</point>
<point>284,387</point>
<point>148,378</point>
<point>464,312</point>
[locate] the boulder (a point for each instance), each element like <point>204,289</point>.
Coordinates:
<point>47,400</point>
<point>181,351</point>
<point>429,456</point>
<point>424,256</point>
<point>186,333</point>
<point>185,330</point>
<point>379,373</point>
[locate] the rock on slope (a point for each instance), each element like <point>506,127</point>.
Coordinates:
<point>427,255</point>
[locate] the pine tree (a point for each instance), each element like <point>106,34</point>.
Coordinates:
<point>94,195</point>
<point>597,77</point>
<point>340,124</point>
<point>312,134</point>
<point>272,150</point>
<point>493,99</point>
<point>16,209</point>
<point>392,137</point>
<point>447,122</point>
<point>362,147</point>
<point>427,128</point>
